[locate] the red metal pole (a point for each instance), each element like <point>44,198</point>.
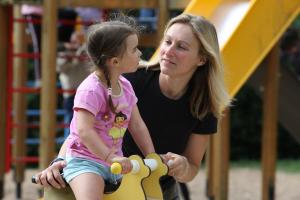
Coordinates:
<point>9,89</point>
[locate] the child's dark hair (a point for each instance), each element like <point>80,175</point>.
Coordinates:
<point>107,40</point>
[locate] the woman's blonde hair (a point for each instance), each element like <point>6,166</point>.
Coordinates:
<point>209,94</point>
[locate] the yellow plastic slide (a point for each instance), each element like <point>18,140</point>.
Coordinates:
<point>247,31</point>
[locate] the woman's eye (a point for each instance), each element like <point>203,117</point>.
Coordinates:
<point>182,47</point>
<point>168,42</point>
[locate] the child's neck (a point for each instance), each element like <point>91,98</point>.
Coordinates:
<point>114,82</point>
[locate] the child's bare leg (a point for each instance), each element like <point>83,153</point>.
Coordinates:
<point>88,186</point>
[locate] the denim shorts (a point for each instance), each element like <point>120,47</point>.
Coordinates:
<point>76,166</point>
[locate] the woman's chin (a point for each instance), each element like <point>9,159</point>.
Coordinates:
<point>166,70</point>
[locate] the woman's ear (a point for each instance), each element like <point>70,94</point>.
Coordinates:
<point>202,61</point>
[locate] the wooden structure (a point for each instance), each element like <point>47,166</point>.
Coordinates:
<point>48,89</point>
<point>19,100</point>
<point>218,160</point>
<point>270,114</point>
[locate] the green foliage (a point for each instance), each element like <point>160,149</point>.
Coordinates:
<point>246,130</point>
<point>286,165</point>
<point>296,23</point>
<point>246,125</point>
<point>253,164</point>
<point>292,166</point>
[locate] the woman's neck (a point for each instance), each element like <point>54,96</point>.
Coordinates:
<point>173,88</point>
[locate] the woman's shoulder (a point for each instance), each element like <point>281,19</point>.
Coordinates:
<point>140,79</point>
<point>142,74</point>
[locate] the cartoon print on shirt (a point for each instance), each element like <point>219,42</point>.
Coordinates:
<point>118,129</point>
<point>106,117</point>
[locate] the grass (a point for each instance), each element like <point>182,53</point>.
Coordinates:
<point>290,166</point>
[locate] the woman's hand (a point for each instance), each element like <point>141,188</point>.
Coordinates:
<point>51,176</point>
<point>178,165</point>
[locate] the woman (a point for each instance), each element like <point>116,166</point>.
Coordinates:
<point>181,98</point>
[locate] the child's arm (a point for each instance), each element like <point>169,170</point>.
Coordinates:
<point>90,138</point>
<point>140,132</point>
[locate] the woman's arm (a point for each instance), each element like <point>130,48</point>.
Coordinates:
<point>140,133</point>
<point>184,168</point>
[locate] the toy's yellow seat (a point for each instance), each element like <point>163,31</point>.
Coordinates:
<point>134,185</point>
<point>131,185</point>
<point>58,194</point>
<point>151,184</point>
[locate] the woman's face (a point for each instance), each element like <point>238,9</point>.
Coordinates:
<point>179,51</point>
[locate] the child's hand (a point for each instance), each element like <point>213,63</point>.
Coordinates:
<point>125,163</point>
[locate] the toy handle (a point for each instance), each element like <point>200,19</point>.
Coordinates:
<point>33,180</point>
<point>170,162</point>
<point>151,163</point>
<point>116,168</point>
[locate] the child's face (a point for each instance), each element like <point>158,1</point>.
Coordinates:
<point>131,57</point>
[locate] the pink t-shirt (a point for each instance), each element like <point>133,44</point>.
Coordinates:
<point>92,96</point>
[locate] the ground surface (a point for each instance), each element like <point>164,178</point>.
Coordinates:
<point>244,184</point>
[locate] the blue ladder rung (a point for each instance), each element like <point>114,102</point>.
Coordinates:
<point>146,19</point>
<point>35,141</point>
<point>36,112</point>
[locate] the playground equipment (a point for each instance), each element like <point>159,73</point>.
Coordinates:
<point>140,184</point>
<point>248,32</point>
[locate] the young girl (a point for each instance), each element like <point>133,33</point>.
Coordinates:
<point>104,107</point>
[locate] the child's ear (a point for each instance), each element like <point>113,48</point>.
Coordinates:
<point>113,61</point>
